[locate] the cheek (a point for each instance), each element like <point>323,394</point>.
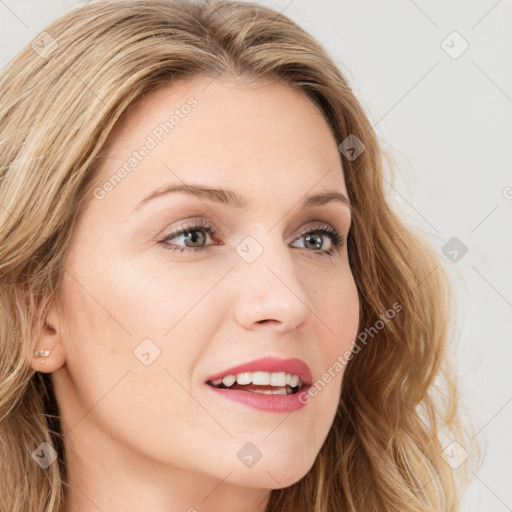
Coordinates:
<point>121,372</point>
<point>337,310</point>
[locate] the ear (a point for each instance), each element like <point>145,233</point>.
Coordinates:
<point>49,339</point>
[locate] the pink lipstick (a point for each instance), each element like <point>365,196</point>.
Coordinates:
<point>269,384</point>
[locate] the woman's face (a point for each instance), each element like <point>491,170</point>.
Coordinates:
<point>150,314</point>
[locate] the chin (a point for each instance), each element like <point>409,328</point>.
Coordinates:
<point>273,473</point>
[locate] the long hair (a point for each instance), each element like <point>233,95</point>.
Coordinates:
<point>62,95</point>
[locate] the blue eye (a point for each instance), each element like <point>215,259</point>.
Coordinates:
<point>314,237</point>
<point>198,232</point>
<point>189,231</point>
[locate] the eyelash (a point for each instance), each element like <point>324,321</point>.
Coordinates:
<point>337,240</point>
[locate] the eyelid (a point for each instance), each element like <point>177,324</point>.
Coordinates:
<point>313,225</point>
<point>206,223</point>
<point>194,223</point>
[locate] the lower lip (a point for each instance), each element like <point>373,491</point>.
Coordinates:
<point>263,402</point>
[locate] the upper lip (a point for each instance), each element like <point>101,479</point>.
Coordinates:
<point>269,364</point>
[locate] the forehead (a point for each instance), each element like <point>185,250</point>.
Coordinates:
<point>258,136</point>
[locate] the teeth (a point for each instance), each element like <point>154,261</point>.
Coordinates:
<point>294,381</point>
<point>281,391</point>
<point>228,380</point>
<point>261,378</point>
<point>277,379</point>
<point>244,378</point>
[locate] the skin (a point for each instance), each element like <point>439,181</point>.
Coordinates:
<point>155,437</point>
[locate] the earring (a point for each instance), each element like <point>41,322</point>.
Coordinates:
<point>42,353</point>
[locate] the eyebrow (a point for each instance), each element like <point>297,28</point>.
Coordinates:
<point>233,199</point>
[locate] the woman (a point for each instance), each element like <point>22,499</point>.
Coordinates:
<point>207,302</point>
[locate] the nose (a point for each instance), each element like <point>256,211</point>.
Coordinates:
<point>270,294</point>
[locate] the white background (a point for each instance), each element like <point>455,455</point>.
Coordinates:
<point>448,122</point>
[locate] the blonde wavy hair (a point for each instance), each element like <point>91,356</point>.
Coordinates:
<point>60,101</point>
